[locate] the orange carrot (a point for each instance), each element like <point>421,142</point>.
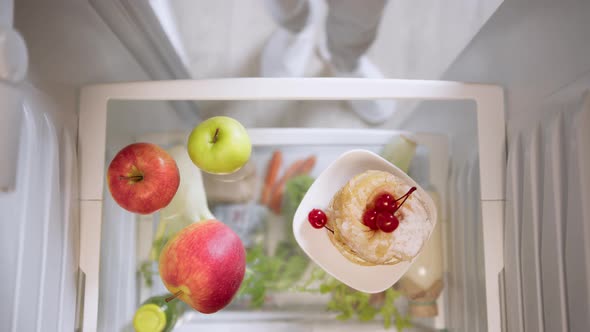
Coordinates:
<point>271,174</point>
<point>279,187</point>
<point>289,173</point>
<point>307,166</point>
<point>299,167</point>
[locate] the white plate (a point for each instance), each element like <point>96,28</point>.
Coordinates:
<point>317,245</point>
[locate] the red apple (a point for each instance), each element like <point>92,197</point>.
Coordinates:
<point>143,178</point>
<point>204,265</point>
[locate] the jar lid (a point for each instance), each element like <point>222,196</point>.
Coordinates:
<point>149,318</point>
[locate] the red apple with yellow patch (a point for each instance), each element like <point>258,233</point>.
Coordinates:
<point>143,178</point>
<point>204,265</point>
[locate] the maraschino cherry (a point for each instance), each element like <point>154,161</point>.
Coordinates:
<point>370,219</point>
<point>385,203</point>
<point>387,222</point>
<point>381,216</point>
<point>317,218</point>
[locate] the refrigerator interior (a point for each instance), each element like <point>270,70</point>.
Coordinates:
<point>537,50</point>
<point>127,121</point>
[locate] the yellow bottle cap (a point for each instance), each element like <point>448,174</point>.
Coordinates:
<point>149,318</point>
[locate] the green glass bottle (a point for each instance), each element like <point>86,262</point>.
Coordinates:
<point>156,315</point>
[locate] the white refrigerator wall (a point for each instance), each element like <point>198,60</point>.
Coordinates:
<point>547,225</point>
<point>539,51</point>
<point>39,228</point>
<point>69,46</point>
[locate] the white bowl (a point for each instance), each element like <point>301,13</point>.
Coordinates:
<point>317,245</point>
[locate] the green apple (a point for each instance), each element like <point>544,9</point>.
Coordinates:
<point>219,145</point>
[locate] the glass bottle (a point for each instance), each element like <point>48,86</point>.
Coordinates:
<point>423,282</point>
<point>156,315</point>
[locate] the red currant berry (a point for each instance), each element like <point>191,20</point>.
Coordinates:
<point>370,219</point>
<point>385,203</point>
<point>317,218</point>
<point>387,222</point>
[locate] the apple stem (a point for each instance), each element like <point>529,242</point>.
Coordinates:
<point>215,136</point>
<point>175,295</point>
<point>135,178</point>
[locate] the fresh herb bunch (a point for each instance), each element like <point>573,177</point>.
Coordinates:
<point>286,266</point>
<point>266,274</point>
<point>350,303</point>
<point>146,270</point>
<point>271,273</point>
<point>295,189</point>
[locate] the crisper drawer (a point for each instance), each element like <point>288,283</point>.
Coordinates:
<point>117,247</point>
